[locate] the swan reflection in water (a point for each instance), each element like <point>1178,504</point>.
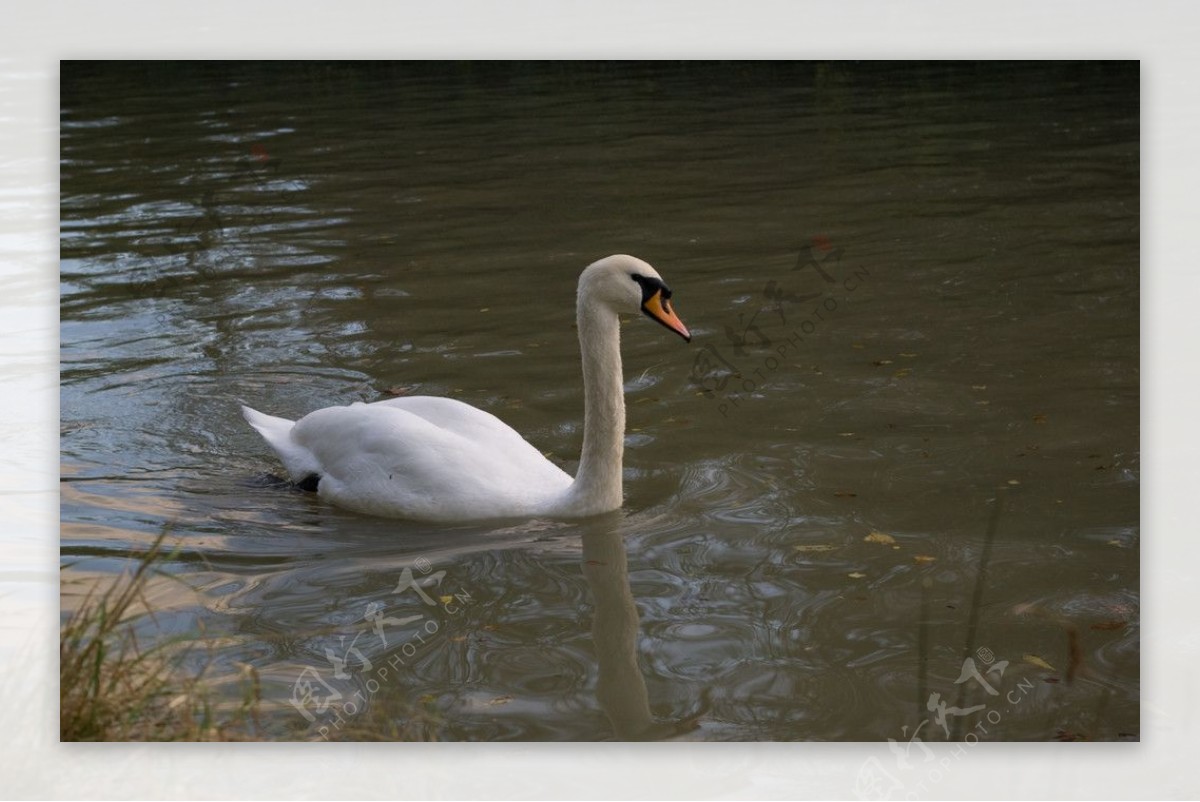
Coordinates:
<point>621,687</point>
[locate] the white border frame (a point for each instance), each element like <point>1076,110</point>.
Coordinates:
<point>37,36</point>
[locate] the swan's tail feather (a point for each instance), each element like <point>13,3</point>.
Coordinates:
<point>299,461</point>
<point>267,425</point>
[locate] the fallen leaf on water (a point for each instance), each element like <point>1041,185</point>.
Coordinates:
<point>879,537</point>
<point>856,575</point>
<point>923,559</point>
<point>814,548</point>
<point>445,599</point>
<point>500,700</point>
<point>1033,659</point>
<point>1104,626</point>
<point>1039,418</point>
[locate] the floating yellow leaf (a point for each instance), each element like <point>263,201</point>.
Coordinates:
<point>1034,660</point>
<point>816,547</point>
<point>879,537</point>
<point>445,599</point>
<point>1039,418</point>
<point>923,559</point>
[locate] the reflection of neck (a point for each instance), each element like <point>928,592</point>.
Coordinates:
<point>621,689</point>
<point>597,486</point>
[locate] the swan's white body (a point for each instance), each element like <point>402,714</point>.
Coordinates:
<point>421,457</point>
<point>437,459</point>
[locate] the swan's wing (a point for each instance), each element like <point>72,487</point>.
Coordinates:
<point>456,416</point>
<point>450,462</point>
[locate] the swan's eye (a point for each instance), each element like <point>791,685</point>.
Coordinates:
<point>650,286</point>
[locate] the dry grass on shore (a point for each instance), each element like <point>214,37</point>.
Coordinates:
<point>112,688</point>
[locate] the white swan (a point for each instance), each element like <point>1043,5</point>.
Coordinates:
<point>437,459</point>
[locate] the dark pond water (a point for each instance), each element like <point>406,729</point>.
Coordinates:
<point>904,435</point>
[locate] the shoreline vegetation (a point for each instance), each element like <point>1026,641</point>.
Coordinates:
<point>112,687</point>
<point>118,685</point>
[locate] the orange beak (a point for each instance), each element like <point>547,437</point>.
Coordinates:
<point>659,309</point>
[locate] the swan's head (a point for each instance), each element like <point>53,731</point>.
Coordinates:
<point>627,284</point>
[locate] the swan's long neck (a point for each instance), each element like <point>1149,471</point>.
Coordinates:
<point>597,486</point>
